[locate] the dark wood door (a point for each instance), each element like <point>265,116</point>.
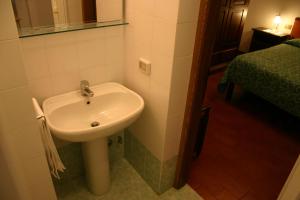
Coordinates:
<point>225,2</point>
<point>234,27</point>
<point>230,28</point>
<point>221,29</point>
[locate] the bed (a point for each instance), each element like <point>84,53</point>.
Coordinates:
<point>273,73</point>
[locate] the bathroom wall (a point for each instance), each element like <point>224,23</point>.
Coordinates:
<point>56,63</point>
<point>151,35</point>
<point>182,63</point>
<point>23,162</point>
<point>261,13</point>
<point>162,32</point>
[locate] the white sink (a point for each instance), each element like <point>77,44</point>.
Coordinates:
<point>70,116</point>
<point>113,106</point>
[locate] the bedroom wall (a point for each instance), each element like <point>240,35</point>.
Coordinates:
<point>290,10</point>
<point>261,13</point>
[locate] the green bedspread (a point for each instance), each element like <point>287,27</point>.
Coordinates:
<point>273,74</point>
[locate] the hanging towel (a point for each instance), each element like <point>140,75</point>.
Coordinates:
<point>52,155</point>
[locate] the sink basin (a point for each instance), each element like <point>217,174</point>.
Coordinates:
<point>90,120</point>
<point>70,116</point>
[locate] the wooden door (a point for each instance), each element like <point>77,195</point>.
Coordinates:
<point>221,28</point>
<point>225,2</point>
<point>230,28</point>
<point>234,27</point>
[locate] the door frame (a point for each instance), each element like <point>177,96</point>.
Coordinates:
<point>203,49</point>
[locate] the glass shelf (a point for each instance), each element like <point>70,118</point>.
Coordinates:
<point>44,30</point>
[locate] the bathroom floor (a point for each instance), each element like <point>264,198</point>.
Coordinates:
<point>126,185</point>
<point>249,149</point>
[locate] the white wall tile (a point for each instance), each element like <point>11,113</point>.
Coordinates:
<point>35,60</point>
<point>161,70</point>
<point>56,63</point>
<point>96,75</point>
<point>19,136</point>
<point>12,172</point>
<point>151,35</point>
<point>143,30</point>
<point>41,88</point>
<point>11,70</point>
<point>188,11</point>
<point>19,125</point>
<point>114,31</point>
<point>9,189</point>
<point>166,9</point>
<point>28,143</point>
<point>185,39</point>
<point>65,82</point>
<point>91,52</point>
<point>89,34</point>
<point>164,37</point>
<point>130,6</point>
<point>180,82</point>
<point>62,53</point>
<point>7,20</point>
<point>36,172</point>
<point>16,110</point>
<point>144,6</point>
<point>114,51</point>
<point>173,136</point>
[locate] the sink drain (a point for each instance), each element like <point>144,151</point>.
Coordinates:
<point>95,124</point>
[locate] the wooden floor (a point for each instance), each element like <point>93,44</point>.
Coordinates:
<point>249,149</point>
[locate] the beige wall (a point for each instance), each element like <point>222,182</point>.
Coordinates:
<point>290,10</point>
<point>261,13</point>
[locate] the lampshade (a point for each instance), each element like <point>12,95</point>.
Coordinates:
<point>277,20</point>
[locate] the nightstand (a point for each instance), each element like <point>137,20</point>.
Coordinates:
<point>265,38</point>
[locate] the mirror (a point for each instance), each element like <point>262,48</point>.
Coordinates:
<point>37,17</point>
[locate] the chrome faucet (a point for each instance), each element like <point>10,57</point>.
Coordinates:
<point>85,89</point>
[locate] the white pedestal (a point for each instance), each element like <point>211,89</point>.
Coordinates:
<point>96,162</point>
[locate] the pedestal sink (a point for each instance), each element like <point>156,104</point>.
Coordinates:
<point>75,118</point>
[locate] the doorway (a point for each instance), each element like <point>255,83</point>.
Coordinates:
<point>245,153</point>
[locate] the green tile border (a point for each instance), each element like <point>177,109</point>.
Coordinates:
<point>158,175</point>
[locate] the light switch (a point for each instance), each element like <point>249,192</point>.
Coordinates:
<point>145,66</point>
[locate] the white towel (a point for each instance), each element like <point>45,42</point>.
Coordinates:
<point>52,155</point>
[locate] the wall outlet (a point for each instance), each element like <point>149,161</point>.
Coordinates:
<point>145,66</point>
